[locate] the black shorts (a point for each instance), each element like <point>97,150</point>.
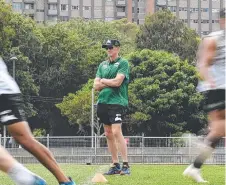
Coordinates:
<point>11,109</point>
<point>109,114</point>
<point>214,100</point>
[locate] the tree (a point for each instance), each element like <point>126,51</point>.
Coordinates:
<point>77,107</point>
<point>162,94</point>
<point>163,97</point>
<point>14,31</point>
<point>71,53</point>
<point>163,31</point>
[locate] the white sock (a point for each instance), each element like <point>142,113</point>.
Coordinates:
<point>21,175</point>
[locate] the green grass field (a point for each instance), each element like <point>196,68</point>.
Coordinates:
<point>141,175</point>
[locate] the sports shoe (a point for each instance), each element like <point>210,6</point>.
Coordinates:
<point>68,183</point>
<point>125,170</point>
<point>194,173</point>
<point>114,169</point>
<point>39,181</point>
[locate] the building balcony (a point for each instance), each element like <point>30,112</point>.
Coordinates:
<point>53,1</point>
<point>29,11</point>
<point>29,1</point>
<point>52,12</point>
<point>120,3</point>
<point>121,14</point>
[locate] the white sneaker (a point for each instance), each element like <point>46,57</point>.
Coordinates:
<point>194,173</point>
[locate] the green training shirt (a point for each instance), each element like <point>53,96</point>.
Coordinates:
<point>109,70</point>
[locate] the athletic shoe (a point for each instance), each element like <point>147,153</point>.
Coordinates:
<point>125,170</point>
<point>114,169</point>
<point>194,173</point>
<point>39,181</point>
<point>68,183</point>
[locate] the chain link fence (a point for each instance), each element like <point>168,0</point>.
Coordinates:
<point>145,150</point>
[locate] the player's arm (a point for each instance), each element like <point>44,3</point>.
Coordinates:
<point>123,72</point>
<point>98,85</point>
<point>115,82</point>
<point>206,54</point>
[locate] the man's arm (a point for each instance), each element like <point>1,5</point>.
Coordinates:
<point>98,85</point>
<point>206,54</point>
<point>115,82</point>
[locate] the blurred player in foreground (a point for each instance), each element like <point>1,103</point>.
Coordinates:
<point>211,66</point>
<point>12,115</point>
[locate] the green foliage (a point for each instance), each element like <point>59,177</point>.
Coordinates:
<point>59,60</point>
<point>163,98</point>
<point>163,31</point>
<point>39,132</point>
<point>17,39</point>
<point>77,107</point>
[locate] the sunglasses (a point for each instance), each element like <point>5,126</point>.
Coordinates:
<point>111,47</point>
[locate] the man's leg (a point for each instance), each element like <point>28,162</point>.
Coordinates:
<point>21,133</point>
<point>217,131</point>
<point>112,147</point>
<point>117,132</point>
<point>17,172</point>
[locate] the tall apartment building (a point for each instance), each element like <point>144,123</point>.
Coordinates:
<point>201,15</point>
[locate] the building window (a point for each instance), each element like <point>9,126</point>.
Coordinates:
<point>184,20</point>
<point>161,2</point>
<point>75,7</point>
<point>172,8</point>
<point>138,21</point>
<point>204,21</point>
<point>138,10</point>
<point>183,9</point>
<point>64,7</point>
<point>52,17</point>
<point>204,32</point>
<point>39,22</point>
<point>17,6</point>
<point>39,10</point>
<point>194,9</point>
<point>52,6</point>
<point>214,10</point>
<point>195,21</point>
<point>121,9</point>
<point>86,8</point>
<point>204,9</point>
<point>28,6</point>
<point>64,18</point>
<point>109,19</point>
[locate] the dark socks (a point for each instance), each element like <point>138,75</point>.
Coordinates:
<point>117,165</point>
<point>125,164</point>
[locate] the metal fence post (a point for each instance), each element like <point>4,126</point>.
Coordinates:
<point>95,151</point>
<point>189,148</point>
<point>4,138</point>
<point>92,117</point>
<point>48,141</point>
<point>142,147</point>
